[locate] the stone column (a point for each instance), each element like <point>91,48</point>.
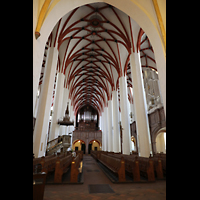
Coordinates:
<point>116,130</point>
<point>44,107</point>
<point>105,129</point>
<point>110,138</point>
<point>63,129</point>
<point>102,129</point>
<point>54,130</point>
<point>125,116</point>
<point>140,107</point>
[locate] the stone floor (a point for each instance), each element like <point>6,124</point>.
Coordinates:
<point>93,175</point>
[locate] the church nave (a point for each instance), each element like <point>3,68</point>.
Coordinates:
<point>99,99</point>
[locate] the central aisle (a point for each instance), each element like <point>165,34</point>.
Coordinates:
<point>92,172</point>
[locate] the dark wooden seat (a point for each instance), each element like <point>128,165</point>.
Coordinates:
<point>158,169</point>
<point>162,157</point>
<point>95,154</point>
<point>61,167</point>
<point>116,165</point>
<point>39,180</point>
<point>75,168</point>
<point>131,165</point>
<point>81,154</point>
<point>134,167</point>
<point>36,163</point>
<point>146,167</point>
<point>47,162</point>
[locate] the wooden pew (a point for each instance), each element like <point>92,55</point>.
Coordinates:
<point>136,165</point>
<point>36,161</point>
<point>61,167</point>
<point>81,154</point>
<point>131,165</point>
<point>162,157</point>
<point>95,154</point>
<point>49,162</point>
<point>39,180</point>
<point>146,168</point>
<point>158,169</point>
<point>75,169</point>
<point>116,165</point>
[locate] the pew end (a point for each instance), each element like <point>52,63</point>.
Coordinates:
<point>75,169</point>
<point>121,171</point>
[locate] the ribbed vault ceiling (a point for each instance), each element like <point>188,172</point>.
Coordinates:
<point>94,44</point>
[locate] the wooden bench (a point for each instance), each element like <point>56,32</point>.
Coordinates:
<point>131,165</point>
<point>61,167</point>
<point>81,154</point>
<point>116,165</point>
<point>93,154</point>
<point>96,154</point>
<point>75,169</point>
<point>36,162</point>
<point>135,165</point>
<point>41,160</point>
<point>146,167</point>
<point>48,163</point>
<point>39,180</point>
<point>158,169</point>
<point>162,157</point>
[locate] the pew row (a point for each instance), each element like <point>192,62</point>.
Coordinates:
<point>62,166</point>
<point>131,165</point>
<point>136,166</point>
<point>162,158</point>
<point>146,167</point>
<point>75,169</point>
<point>81,154</point>
<point>116,165</point>
<point>48,162</point>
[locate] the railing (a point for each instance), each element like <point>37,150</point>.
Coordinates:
<point>54,146</point>
<point>52,143</point>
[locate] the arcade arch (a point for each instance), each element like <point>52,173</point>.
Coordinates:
<point>94,145</point>
<point>79,145</point>
<point>161,142</point>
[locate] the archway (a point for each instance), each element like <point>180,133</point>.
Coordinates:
<point>83,147</point>
<point>94,145</point>
<point>160,141</point>
<point>79,145</point>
